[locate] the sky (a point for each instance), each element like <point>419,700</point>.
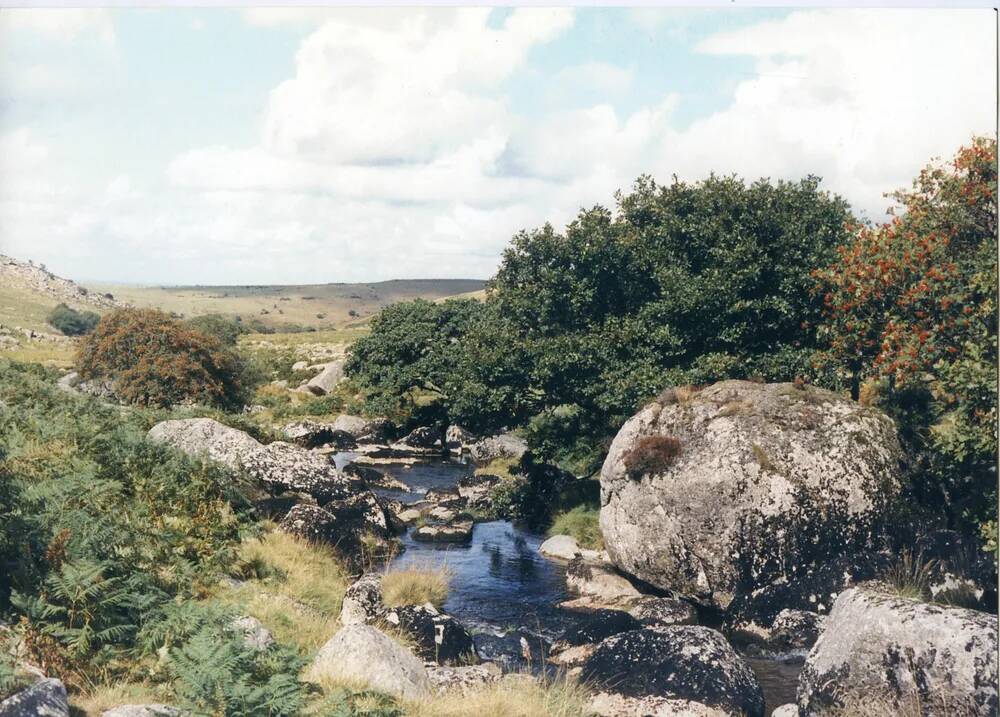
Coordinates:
<point>310,145</point>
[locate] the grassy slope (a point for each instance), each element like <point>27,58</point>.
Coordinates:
<point>333,301</point>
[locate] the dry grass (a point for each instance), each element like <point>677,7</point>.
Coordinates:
<point>511,697</point>
<point>681,395</point>
<point>416,586</point>
<point>910,576</point>
<point>99,699</point>
<point>295,588</point>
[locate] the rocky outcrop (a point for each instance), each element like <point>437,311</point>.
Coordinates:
<point>901,656</point>
<point>439,638</point>
<point>361,653</point>
<point>38,279</point>
<point>504,446</point>
<point>45,698</point>
<point>310,434</point>
<point>715,494</point>
<point>327,379</point>
<point>362,602</point>
<point>640,670</point>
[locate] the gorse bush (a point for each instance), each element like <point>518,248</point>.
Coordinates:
<point>72,322</point>
<point>911,305</point>
<point>155,360</point>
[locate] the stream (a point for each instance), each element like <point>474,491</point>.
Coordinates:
<point>502,588</point>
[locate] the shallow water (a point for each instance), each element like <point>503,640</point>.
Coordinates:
<point>501,583</point>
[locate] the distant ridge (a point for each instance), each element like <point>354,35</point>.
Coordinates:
<point>15,273</point>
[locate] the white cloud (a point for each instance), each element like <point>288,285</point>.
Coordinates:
<point>59,24</point>
<point>392,150</point>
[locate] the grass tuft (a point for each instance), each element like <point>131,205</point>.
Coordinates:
<point>910,576</point>
<point>416,586</point>
<point>581,523</point>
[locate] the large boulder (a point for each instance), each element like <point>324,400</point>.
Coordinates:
<point>900,655</point>
<point>439,638</point>
<point>423,437</point>
<point>206,438</point>
<point>456,438</point>
<point>599,580</point>
<point>635,671</point>
<point>341,523</point>
<point>504,446</point>
<point>45,698</point>
<point>740,486</point>
<point>653,611</point>
<point>327,379</point>
<point>361,653</point>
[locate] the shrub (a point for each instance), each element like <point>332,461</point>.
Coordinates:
<point>651,454</point>
<point>157,361</point>
<point>224,329</point>
<point>72,322</point>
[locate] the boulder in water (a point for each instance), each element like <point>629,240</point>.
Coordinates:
<point>459,531</point>
<point>652,667</point>
<point>438,637</point>
<point>896,654</point>
<point>361,653</point>
<point>716,493</point>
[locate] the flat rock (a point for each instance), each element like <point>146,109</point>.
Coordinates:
<point>599,580</point>
<point>457,532</point>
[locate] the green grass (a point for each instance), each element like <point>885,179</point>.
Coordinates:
<point>580,523</point>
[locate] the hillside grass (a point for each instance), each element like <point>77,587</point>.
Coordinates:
<point>324,306</point>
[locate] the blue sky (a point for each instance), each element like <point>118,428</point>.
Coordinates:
<point>304,145</point>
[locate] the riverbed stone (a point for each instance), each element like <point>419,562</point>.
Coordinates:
<point>457,439</point>
<point>438,637</point>
<point>477,489</point>
<point>365,654</point>
<point>503,446</point>
<point>891,653</point>
<point>374,478</point>
<point>341,523</point>
<point>715,493</point>
<point>45,698</point>
<point>795,630</point>
<point>362,603</point>
<point>598,580</point>
<point>676,663</point>
<point>459,531</point>
<point>560,546</point>
<point>284,466</point>
<point>312,434</point>
<point>424,437</point>
<point>653,611</point>
<point>595,627</point>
